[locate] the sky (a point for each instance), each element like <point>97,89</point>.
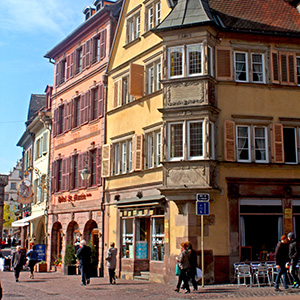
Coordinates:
<point>28,30</point>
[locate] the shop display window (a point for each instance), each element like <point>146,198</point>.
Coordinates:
<point>158,235</point>
<point>127,245</point>
<point>141,245</point>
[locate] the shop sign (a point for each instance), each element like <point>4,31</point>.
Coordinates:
<point>166,231</point>
<point>129,214</point>
<point>41,251</point>
<point>288,213</point>
<point>134,213</point>
<point>76,197</point>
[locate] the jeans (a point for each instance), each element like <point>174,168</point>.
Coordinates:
<point>112,276</point>
<point>84,270</point>
<point>31,265</point>
<point>281,271</point>
<point>183,277</point>
<point>294,273</point>
<point>17,271</point>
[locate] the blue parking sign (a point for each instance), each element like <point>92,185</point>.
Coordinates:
<point>202,208</point>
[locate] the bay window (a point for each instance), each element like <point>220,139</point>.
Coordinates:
<point>175,55</point>
<point>194,59</point>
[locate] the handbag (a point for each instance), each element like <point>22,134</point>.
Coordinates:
<point>177,270</point>
<point>198,274</point>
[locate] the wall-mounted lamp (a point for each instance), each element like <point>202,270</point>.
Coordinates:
<point>85,173</point>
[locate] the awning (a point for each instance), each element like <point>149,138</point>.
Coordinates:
<point>138,202</point>
<point>25,221</point>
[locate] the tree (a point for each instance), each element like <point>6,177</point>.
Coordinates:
<point>8,216</point>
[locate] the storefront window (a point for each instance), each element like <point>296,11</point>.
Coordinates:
<point>158,235</point>
<point>141,245</point>
<point>127,245</point>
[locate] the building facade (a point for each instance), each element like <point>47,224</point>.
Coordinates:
<point>77,105</point>
<point>231,127</point>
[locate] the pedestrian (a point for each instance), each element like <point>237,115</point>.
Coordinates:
<point>84,256</point>
<point>32,256</point>
<point>282,258</point>
<point>18,261</point>
<point>193,265</point>
<point>184,265</point>
<point>111,258</point>
<point>293,256</point>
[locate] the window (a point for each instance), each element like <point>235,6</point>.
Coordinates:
<point>74,172</point>
<point>153,77</point>
<point>117,159</point>
<point>94,103</point>
<point>260,144</point>
<point>298,70</point>
<point>99,46</point>
<point>127,238</point>
<point>153,140</point>
<point>158,237</point>
<point>126,98</point>
<point>123,157</point>
<point>93,168</point>
<point>13,186</point>
<point>79,53</point>
<point>60,127</point>
<point>176,62</point>
<point>194,59</point>
<point>59,175</point>
<point>76,116</point>
<point>37,149</point>
<point>243,143</point>
<point>195,139</point>
<point>290,145</point>
<point>241,68</point>
<point>257,62</point>
<point>133,27</point>
<point>153,15</point>
<point>130,155</point>
<point>176,140</point>
<point>96,48</point>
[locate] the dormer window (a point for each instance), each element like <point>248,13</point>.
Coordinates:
<point>88,12</point>
<point>98,4</point>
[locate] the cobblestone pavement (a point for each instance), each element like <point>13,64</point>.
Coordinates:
<point>57,286</point>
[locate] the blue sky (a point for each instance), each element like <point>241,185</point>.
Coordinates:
<point>28,29</point>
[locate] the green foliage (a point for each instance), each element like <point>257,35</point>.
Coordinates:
<point>8,216</point>
<point>70,258</point>
<point>94,255</point>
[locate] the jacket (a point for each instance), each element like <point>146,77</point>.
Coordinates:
<point>184,260</point>
<point>293,251</point>
<point>18,259</point>
<point>111,258</point>
<point>32,255</point>
<point>193,259</point>
<point>282,254</point>
<point>84,255</point>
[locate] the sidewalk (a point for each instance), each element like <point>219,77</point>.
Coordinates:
<point>57,286</point>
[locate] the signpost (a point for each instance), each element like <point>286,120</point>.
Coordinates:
<point>202,209</point>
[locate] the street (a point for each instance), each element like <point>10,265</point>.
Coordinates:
<point>55,285</point>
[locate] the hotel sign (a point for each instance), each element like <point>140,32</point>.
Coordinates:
<point>76,197</point>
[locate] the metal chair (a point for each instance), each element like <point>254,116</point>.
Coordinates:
<point>272,270</point>
<point>262,271</point>
<point>244,271</point>
<point>235,266</point>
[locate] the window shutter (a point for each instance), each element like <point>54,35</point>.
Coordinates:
<point>99,165</point>
<point>64,172</point>
<point>136,80</point>
<point>275,67</point>
<point>224,65</point>
<point>55,122</point>
<point>68,172</point>
<point>277,143</point>
<point>68,69</point>
<point>116,93</point>
<point>82,109</point>
<point>57,73</point>
<point>83,56</point>
<point>72,64</point>
<point>103,44</point>
<point>80,167</point>
<point>284,68</point>
<point>100,100</point>
<point>87,105</point>
<point>45,142</point>
<point>229,143</point>
<point>66,114</point>
<point>52,177</point>
<point>138,152</point>
<point>106,153</point>
<point>292,68</point>
<point>88,53</point>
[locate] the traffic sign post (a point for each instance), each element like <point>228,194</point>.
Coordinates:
<point>202,209</point>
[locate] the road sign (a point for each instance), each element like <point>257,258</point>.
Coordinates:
<point>202,208</point>
<point>203,197</point>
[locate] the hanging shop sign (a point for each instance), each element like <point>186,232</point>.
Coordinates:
<point>25,191</point>
<point>72,198</point>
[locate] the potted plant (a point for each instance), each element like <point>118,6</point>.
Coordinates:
<point>94,260</point>
<point>57,263</point>
<point>41,266</point>
<point>69,260</point>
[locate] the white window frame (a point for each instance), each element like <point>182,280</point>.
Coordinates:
<point>150,17</point>
<point>170,50</point>
<point>133,27</point>
<point>117,159</point>
<point>246,66</point>
<point>122,150</point>
<point>266,144</point>
<point>189,140</point>
<point>150,151</point>
<point>157,160</point>
<point>188,62</point>
<point>123,157</point>
<point>130,169</point>
<point>249,144</point>
<point>151,79</point>
<point>211,141</point>
<point>263,66</point>
<point>157,13</point>
<point>169,141</point>
<point>153,146</point>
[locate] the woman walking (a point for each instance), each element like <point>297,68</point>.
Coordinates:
<point>32,256</point>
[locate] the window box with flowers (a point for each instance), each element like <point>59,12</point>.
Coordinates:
<point>41,266</point>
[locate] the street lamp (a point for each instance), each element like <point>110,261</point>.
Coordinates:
<point>85,174</point>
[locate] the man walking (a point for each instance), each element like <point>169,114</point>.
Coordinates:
<point>18,261</point>
<point>282,257</point>
<point>111,258</point>
<point>294,256</point>
<point>84,256</point>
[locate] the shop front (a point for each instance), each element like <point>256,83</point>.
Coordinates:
<point>142,236</point>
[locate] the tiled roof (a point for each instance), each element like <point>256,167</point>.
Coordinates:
<point>257,15</point>
<point>37,101</point>
<point>242,15</point>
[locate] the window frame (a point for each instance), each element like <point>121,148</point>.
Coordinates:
<point>249,143</point>
<point>133,27</point>
<point>189,140</point>
<point>188,59</point>
<point>180,49</point>
<point>266,144</point>
<point>156,77</point>
<point>120,166</point>
<point>246,65</point>
<point>263,67</point>
<point>296,145</point>
<point>177,158</point>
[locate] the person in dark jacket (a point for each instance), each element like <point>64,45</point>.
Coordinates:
<point>33,258</point>
<point>84,256</point>
<point>111,258</point>
<point>294,257</point>
<point>18,261</point>
<point>193,263</point>
<point>282,258</point>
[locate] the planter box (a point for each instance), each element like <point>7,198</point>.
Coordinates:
<point>40,268</point>
<point>70,270</point>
